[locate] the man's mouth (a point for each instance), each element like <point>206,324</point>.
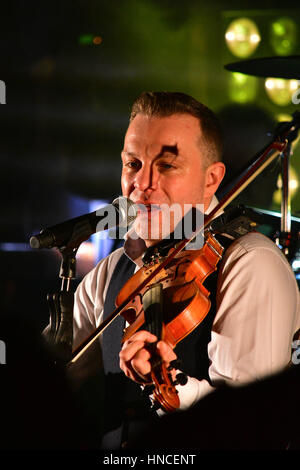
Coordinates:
<point>147,208</point>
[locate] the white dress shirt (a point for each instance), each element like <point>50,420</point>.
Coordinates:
<point>258,312</point>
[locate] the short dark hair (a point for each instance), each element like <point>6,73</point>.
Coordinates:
<point>166,103</point>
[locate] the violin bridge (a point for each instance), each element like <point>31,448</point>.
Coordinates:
<point>214,245</point>
<point>214,250</point>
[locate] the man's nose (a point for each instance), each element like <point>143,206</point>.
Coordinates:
<point>145,178</point>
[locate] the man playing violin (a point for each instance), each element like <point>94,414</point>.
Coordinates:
<point>172,155</point>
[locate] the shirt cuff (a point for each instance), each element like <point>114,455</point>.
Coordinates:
<point>190,393</point>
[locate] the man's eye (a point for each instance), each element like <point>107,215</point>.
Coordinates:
<point>165,166</point>
<point>132,164</point>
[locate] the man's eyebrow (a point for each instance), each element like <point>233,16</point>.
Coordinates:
<point>172,149</point>
<point>128,154</point>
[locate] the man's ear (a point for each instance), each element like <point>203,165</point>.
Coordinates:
<point>214,175</point>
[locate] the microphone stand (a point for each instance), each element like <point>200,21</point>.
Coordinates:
<point>61,304</point>
<point>67,237</point>
<point>285,239</point>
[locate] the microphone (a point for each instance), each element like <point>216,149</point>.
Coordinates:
<point>120,213</point>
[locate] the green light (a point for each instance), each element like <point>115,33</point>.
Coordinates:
<point>242,37</point>
<point>240,78</point>
<point>85,39</point>
<point>242,88</point>
<point>293,185</point>
<point>278,28</point>
<point>240,29</point>
<point>282,117</point>
<point>280,90</point>
<point>283,36</point>
<point>89,39</point>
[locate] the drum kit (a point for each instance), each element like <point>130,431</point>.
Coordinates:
<point>288,67</point>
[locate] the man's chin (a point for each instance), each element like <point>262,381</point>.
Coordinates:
<point>151,233</point>
<point>155,225</point>
<point>147,234</point>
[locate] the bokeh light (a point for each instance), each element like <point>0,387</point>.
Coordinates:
<point>281,91</point>
<point>283,36</point>
<point>89,39</point>
<point>97,40</point>
<point>293,185</point>
<point>284,117</point>
<point>242,37</point>
<point>242,88</point>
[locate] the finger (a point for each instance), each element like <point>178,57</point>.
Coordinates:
<point>131,374</point>
<point>138,367</point>
<point>128,370</point>
<point>129,350</point>
<point>141,364</point>
<point>132,349</point>
<point>166,352</point>
<point>142,335</point>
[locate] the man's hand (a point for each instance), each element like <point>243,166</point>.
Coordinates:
<point>135,356</point>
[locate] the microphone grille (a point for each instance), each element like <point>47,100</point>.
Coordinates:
<point>127,210</point>
<point>34,242</point>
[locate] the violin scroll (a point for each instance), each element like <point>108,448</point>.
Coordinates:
<point>162,388</point>
<point>165,393</point>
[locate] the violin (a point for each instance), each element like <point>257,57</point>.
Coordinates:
<point>167,295</point>
<point>170,307</point>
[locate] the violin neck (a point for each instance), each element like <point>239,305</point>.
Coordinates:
<point>153,309</point>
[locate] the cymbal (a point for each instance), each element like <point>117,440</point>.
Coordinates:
<point>274,214</point>
<point>275,67</point>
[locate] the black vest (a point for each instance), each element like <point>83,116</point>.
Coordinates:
<point>123,398</point>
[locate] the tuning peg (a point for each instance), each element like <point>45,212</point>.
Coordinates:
<point>174,364</point>
<point>181,379</point>
<point>148,389</point>
<point>155,405</point>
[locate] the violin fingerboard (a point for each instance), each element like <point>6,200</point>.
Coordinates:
<point>153,311</point>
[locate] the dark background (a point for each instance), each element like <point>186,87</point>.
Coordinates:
<point>67,107</point>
